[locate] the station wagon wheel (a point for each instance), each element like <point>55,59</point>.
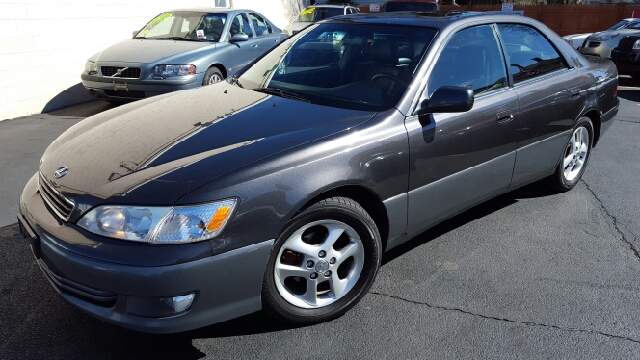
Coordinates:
<point>575,156</point>
<point>212,76</point>
<point>323,263</point>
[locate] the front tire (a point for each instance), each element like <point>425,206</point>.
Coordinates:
<point>323,262</point>
<point>575,157</point>
<point>212,76</point>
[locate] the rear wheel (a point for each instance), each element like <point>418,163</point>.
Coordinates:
<point>323,262</point>
<point>575,157</point>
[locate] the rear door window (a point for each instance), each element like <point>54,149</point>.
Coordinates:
<point>530,54</point>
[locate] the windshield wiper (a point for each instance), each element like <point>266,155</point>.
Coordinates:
<point>283,93</point>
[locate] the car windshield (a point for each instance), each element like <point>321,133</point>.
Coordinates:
<point>634,26</point>
<point>621,25</point>
<point>184,25</point>
<point>410,6</point>
<point>346,65</point>
<point>314,14</point>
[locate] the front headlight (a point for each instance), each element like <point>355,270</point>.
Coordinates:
<point>606,37</point>
<point>160,225</point>
<point>90,67</point>
<point>636,45</point>
<point>164,71</point>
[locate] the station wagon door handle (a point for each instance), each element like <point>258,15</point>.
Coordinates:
<point>504,117</point>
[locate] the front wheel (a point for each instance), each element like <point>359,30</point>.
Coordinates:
<point>212,76</point>
<point>575,157</point>
<point>323,262</point>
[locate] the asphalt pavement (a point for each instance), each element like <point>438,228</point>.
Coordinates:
<point>530,274</point>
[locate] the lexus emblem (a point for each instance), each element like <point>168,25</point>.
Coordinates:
<point>61,172</point>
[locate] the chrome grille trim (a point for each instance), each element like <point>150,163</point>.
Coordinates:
<point>56,202</point>
<point>127,73</point>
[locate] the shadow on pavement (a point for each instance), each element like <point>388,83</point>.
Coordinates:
<point>538,189</point>
<point>631,95</point>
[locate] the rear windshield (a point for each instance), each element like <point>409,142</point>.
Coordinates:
<point>410,6</point>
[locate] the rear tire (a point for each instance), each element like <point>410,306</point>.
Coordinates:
<point>323,262</point>
<point>574,158</point>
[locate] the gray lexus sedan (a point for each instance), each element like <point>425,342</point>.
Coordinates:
<point>281,188</point>
<point>179,50</point>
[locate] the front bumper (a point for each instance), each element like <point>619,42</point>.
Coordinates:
<point>133,89</point>
<point>227,285</point>
<point>627,62</point>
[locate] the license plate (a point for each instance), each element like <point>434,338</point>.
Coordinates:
<point>117,86</point>
<point>27,233</point>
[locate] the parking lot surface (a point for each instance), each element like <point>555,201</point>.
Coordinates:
<point>530,274</point>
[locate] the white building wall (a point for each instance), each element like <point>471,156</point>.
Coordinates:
<point>44,43</point>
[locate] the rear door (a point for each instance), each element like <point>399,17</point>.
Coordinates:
<point>264,33</point>
<point>242,53</point>
<point>460,159</point>
<point>551,98</point>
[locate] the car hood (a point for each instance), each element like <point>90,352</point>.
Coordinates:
<point>156,150</point>
<point>576,36</point>
<point>146,51</point>
<point>622,33</point>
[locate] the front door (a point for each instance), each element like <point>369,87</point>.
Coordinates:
<point>461,159</point>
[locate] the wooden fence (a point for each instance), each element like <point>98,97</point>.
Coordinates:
<point>563,19</point>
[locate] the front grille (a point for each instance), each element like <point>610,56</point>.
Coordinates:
<point>56,202</point>
<point>626,44</point>
<point>127,73</point>
<point>593,44</point>
<point>69,287</point>
<point>134,94</point>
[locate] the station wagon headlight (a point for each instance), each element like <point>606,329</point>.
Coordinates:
<point>91,68</point>
<point>636,45</point>
<point>160,225</point>
<point>164,71</point>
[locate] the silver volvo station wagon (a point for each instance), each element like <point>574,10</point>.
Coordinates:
<point>281,188</point>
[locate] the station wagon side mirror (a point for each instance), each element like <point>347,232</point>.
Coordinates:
<point>239,37</point>
<point>134,33</point>
<point>447,99</point>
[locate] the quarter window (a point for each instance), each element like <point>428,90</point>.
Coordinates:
<point>471,59</point>
<point>530,54</point>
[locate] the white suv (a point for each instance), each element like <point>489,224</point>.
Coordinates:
<point>315,13</point>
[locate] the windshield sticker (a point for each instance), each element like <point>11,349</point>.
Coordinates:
<point>143,32</point>
<point>307,11</point>
<point>160,18</point>
<point>200,34</point>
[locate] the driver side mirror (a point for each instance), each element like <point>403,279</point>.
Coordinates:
<point>239,37</point>
<point>447,99</point>
<point>134,33</point>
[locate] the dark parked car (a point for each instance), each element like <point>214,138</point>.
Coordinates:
<point>627,56</point>
<point>178,50</point>
<point>282,187</point>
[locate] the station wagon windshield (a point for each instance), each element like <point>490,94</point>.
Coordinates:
<point>184,25</point>
<point>354,66</point>
<point>316,14</point>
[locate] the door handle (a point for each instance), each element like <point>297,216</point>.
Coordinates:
<point>504,117</point>
<point>254,45</point>
<point>575,93</point>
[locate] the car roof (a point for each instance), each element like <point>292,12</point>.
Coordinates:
<point>211,10</point>
<point>393,1</point>
<point>329,6</point>
<point>437,19</point>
